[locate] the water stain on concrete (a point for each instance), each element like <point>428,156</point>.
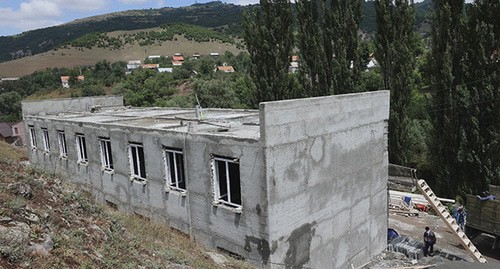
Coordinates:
<point>262,247</point>
<point>258,209</point>
<point>298,253</point>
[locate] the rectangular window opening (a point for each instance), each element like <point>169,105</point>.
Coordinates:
<point>174,169</point>
<point>106,156</point>
<point>81,149</point>
<point>226,175</point>
<point>46,142</point>
<point>63,150</point>
<point>137,162</point>
<point>32,136</point>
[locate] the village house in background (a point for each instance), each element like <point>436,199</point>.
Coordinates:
<point>65,80</point>
<point>13,133</point>
<point>225,68</point>
<point>133,64</point>
<point>297,183</point>
<point>177,59</point>
<point>294,64</point>
<point>150,66</point>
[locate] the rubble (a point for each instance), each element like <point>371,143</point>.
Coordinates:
<point>14,236</point>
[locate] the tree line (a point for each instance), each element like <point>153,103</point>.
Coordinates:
<point>445,97</point>
<point>166,32</point>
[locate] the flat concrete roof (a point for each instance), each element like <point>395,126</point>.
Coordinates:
<point>225,122</point>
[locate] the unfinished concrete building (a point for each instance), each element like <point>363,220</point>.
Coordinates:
<point>297,183</point>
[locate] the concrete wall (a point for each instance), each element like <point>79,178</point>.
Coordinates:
<point>217,226</point>
<point>54,106</point>
<point>313,186</point>
<point>326,167</point>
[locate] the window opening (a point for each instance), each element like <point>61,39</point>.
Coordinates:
<point>63,150</point>
<point>81,148</point>
<point>174,168</point>
<point>16,131</point>
<point>106,157</point>
<point>45,137</point>
<point>32,136</point>
<point>226,174</point>
<point>137,162</point>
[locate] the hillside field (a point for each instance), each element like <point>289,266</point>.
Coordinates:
<point>71,57</point>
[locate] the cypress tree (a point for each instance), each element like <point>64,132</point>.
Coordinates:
<point>483,85</point>
<point>329,45</point>
<point>450,98</point>
<point>396,54</point>
<point>316,54</point>
<point>344,24</point>
<point>269,40</point>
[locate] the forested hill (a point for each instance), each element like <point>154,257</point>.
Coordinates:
<point>213,15</point>
<point>218,15</point>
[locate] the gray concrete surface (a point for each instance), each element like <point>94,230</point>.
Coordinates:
<point>326,169</point>
<point>313,172</point>
<point>65,105</point>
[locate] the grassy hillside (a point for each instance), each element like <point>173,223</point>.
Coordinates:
<point>71,56</point>
<point>47,222</point>
<point>11,154</point>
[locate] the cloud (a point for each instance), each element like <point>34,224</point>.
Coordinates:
<point>160,3</point>
<point>35,14</point>
<point>81,5</point>
<point>31,15</point>
<point>38,9</point>
<point>133,1</point>
<point>246,2</point>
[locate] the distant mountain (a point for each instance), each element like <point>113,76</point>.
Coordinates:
<point>220,16</point>
<point>213,15</point>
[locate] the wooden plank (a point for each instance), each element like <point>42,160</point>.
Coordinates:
<point>495,190</point>
<point>488,225</point>
<point>472,201</point>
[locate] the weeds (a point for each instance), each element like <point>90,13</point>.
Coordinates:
<point>16,204</point>
<point>88,235</point>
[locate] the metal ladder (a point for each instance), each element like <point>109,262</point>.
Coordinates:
<point>442,211</point>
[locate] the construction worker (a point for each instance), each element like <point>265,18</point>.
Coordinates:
<point>429,241</point>
<point>461,217</point>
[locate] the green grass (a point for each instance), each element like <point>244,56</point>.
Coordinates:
<point>12,154</point>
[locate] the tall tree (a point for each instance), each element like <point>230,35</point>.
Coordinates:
<point>269,40</point>
<point>449,95</point>
<point>483,85</point>
<point>343,20</point>
<point>316,52</point>
<point>329,45</point>
<point>396,53</point>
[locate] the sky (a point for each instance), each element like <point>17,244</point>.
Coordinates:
<point>17,16</point>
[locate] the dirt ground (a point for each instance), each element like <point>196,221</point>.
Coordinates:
<point>447,247</point>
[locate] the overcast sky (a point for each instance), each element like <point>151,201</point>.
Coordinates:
<point>17,16</point>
